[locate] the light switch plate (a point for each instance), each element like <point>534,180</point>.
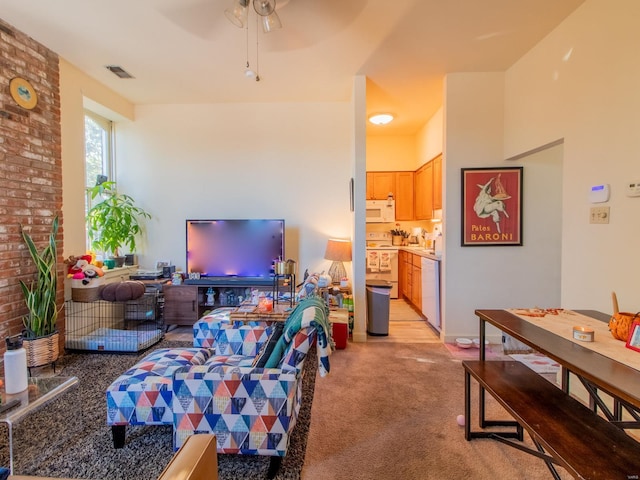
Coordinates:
<point>599,215</point>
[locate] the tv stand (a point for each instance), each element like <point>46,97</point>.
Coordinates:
<point>230,281</point>
<point>185,304</point>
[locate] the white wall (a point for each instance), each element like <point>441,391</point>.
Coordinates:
<point>290,161</point>
<point>391,152</point>
<point>430,138</point>
<point>501,276</point>
<point>581,84</point>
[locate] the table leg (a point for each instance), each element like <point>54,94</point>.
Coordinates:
<point>467,405</point>
<point>481,402</point>
<point>564,379</point>
<point>10,428</point>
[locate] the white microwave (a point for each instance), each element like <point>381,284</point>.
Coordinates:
<point>381,211</point>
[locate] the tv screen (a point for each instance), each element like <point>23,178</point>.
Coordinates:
<point>239,248</point>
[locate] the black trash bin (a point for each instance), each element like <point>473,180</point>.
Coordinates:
<point>378,296</point>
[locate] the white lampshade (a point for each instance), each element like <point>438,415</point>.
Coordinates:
<point>339,251</point>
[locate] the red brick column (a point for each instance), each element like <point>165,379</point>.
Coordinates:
<point>30,171</point>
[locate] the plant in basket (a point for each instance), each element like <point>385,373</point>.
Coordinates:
<point>114,222</point>
<point>40,334</point>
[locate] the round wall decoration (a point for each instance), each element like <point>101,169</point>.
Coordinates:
<point>23,93</point>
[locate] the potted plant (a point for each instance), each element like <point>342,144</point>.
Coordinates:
<point>114,222</point>
<point>40,334</point>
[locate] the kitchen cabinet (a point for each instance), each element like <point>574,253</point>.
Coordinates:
<point>400,184</point>
<point>404,196</point>
<point>410,278</point>
<point>437,182</point>
<point>416,281</point>
<point>380,184</point>
<point>403,284</point>
<point>424,192</point>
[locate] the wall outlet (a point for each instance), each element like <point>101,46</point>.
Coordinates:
<point>599,215</point>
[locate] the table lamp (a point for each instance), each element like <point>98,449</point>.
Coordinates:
<point>338,251</point>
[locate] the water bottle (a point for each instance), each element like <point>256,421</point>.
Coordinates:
<point>16,377</point>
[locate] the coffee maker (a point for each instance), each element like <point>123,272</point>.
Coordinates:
<point>414,238</point>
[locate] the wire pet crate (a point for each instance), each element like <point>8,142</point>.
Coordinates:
<point>114,326</point>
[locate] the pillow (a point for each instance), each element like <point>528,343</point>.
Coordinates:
<point>268,346</point>
<point>123,291</point>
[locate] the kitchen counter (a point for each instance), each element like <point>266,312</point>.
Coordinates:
<point>421,251</point>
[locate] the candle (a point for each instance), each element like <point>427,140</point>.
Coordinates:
<point>584,334</point>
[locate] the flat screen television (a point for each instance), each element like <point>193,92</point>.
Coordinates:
<point>234,248</point>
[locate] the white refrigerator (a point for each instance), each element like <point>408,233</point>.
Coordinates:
<point>431,291</point>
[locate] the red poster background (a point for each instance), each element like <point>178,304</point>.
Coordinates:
<point>492,206</point>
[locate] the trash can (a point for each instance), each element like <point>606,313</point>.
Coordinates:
<point>378,296</point>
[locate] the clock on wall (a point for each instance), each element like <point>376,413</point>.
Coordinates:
<point>23,93</point>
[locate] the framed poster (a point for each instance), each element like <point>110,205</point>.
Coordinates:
<point>491,206</point>
<point>633,342</point>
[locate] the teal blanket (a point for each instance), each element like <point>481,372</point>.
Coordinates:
<point>297,321</point>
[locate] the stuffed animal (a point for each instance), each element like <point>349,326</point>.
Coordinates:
<point>83,269</point>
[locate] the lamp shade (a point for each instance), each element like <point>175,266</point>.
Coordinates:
<point>338,250</point>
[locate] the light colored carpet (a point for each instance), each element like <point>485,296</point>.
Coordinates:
<point>388,411</point>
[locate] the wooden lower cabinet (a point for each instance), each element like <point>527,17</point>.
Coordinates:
<point>416,281</point>
<point>410,278</point>
<point>180,304</point>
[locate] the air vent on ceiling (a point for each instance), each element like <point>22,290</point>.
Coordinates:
<point>119,71</point>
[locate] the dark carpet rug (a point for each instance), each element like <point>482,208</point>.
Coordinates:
<point>69,437</point>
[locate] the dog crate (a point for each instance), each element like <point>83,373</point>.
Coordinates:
<point>129,326</point>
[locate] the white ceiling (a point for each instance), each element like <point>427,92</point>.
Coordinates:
<point>186,51</point>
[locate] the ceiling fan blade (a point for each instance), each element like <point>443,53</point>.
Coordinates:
<point>198,17</point>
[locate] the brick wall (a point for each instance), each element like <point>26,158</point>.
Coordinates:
<point>30,171</point>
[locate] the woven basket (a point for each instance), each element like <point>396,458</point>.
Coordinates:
<point>42,351</point>
<point>620,324</point>
<point>86,293</point>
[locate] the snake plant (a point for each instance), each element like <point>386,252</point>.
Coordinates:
<point>40,295</point>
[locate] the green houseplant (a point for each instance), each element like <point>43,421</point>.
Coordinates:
<point>40,334</point>
<point>114,222</point>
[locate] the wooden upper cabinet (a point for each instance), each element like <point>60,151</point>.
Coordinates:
<point>380,184</point>
<point>424,192</point>
<point>437,182</point>
<point>404,195</point>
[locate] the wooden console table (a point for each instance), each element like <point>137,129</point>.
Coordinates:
<point>245,313</point>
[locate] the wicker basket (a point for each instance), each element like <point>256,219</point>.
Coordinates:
<point>86,293</point>
<point>42,351</point>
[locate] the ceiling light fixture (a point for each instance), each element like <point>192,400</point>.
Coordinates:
<point>266,15</point>
<point>381,118</point>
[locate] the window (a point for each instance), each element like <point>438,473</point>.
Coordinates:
<point>98,140</point>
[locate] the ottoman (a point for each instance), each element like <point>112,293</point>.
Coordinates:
<point>143,395</point>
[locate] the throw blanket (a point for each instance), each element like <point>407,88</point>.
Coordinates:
<point>298,320</point>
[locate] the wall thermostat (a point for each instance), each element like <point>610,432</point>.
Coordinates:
<point>633,189</point>
<point>599,193</point>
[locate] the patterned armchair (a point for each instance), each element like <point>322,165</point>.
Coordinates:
<point>246,388</point>
<point>252,409</point>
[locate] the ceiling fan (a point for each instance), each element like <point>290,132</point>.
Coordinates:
<point>304,22</point>
<point>266,9</point>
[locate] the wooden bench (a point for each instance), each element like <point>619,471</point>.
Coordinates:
<point>564,431</point>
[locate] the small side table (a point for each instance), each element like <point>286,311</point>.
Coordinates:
<point>39,391</point>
